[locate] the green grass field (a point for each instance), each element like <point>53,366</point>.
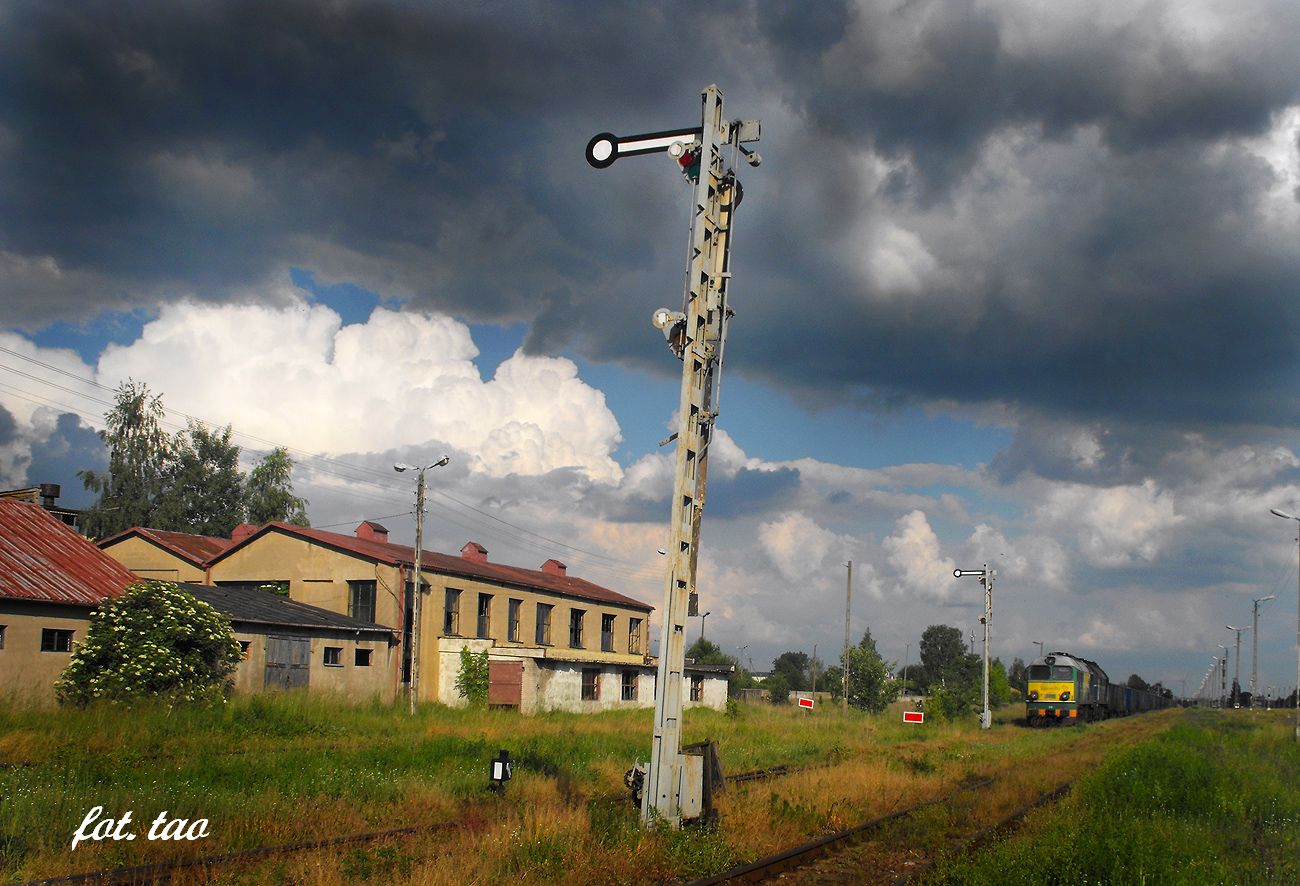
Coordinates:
<point>271,770</point>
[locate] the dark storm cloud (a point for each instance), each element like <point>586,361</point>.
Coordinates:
<point>8,427</point>
<point>1082,232</point>
<point>72,447</point>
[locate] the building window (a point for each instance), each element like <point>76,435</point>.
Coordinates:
<point>333,656</point>
<point>484,616</point>
<point>697,689</point>
<point>634,636</point>
<point>512,623</point>
<point>451,613</point>
<point>245,647</point>
<point>629,686</point>
<point>607,633</point>
<point>590,684</point>
<point>2,636</point>
<point>55,640</point>
<point>362,658</point>
<point>361,604</point>
<point>575,627</point>
<point>544,624</point>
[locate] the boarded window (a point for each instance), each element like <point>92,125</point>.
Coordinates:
<point>361,600</point>
<point>575,627</point>
<point>607,633</point>
<point>544,624</point>
<point>590,684</point>
<point>697,689</point>
<point>512,621</point>
<point>451,613</point>
<point>55,640</point>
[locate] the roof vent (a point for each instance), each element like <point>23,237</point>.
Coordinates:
<point>555,567</point>
<point>474,551</point>
<point>49,494</point>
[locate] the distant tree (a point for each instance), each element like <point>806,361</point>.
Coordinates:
<point>778,689</point>
<point>871,688</point>
<point>705,651</point>
<point>1018,676</point>
<point>153,641</point>
<point>832,680</point>
<point>269,491</point>
<point>1136,682</point>
<point>139,451</point>
<point>203,488</point>
<point>999,685</point>
<point>942,649</point>
<point>794,666</point>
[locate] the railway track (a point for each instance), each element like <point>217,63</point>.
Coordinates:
<point>851,856</point>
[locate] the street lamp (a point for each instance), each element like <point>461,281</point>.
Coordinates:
<point>1285,516</point>
<point>416,590</point>
<point>1236,674</point>
<point>1254,658</point>
<point>702,617</point>
<point>1040,647</point>
<point>1223,675</point>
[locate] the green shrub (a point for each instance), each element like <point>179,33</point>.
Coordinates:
<point>472,681</point>
<point>155,641</point>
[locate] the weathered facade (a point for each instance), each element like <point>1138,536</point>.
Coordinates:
<point>289,645</point>
<point>162,555</point>
<point>535,618</point>
<point>51,579</point>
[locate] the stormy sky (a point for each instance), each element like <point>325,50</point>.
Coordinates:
<point>1015,282</point>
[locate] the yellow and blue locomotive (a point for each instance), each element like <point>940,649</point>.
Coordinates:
<point>1065,688</point>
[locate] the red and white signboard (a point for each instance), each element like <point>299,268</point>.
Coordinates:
<point>805,703</point>
<point>913,716</point>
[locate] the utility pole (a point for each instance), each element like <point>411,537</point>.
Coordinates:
<point>697,336</point>
<point>1254,637</point>
<point>848,601</point>
<point>417,591</point>
<point>1286,516</point>
<point>1223,676</point>
<point>986,577</point>
<point>1236,677</point>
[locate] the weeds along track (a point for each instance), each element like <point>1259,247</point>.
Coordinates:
<point>807,853</point>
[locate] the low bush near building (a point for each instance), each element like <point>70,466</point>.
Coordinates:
<point>155,641</point>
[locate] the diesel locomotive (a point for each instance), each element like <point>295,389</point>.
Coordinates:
<point>1065,688</point>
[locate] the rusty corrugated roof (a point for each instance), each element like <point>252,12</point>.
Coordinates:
<point>404,555</point>
<point>42,559</point>
<point>195,549</point>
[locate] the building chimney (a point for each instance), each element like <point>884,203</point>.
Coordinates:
<point>474,551</point>
<point>555,567</point>
<point>372,531</point>
<point>242,531</point>
<point>49,494</point>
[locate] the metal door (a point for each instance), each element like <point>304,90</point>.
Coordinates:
<point>505,683</point>
<point>288,662</point>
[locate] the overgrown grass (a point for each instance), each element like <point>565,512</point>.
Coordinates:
<point>1216,799</point>
<point>274,769</point>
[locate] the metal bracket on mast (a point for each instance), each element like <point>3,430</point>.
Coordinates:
<point>697,336</point>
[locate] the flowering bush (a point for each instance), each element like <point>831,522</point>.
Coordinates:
<point>153,641</point>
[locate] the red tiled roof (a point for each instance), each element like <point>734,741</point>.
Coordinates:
<point>41,559</point>
<point>196,549</point>
<point>404,555</point>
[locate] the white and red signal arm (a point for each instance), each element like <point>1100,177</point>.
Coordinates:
<point>605,148</point>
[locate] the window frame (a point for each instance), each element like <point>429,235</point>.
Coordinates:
<point>451,613</point>
<point>591,684</point>
<point>697,687</point>
<point>60,639</point>
<point>337,656</point>
<point>362,657</point>
<point>628,690</point>
<point>483,621</point>
<point>512,619</point>
<point>2,635</point>
<point>576,619</point>
<point>634,636</point>
<point>542,633</point>
<point>370,588</point>
<point>607,634</point>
